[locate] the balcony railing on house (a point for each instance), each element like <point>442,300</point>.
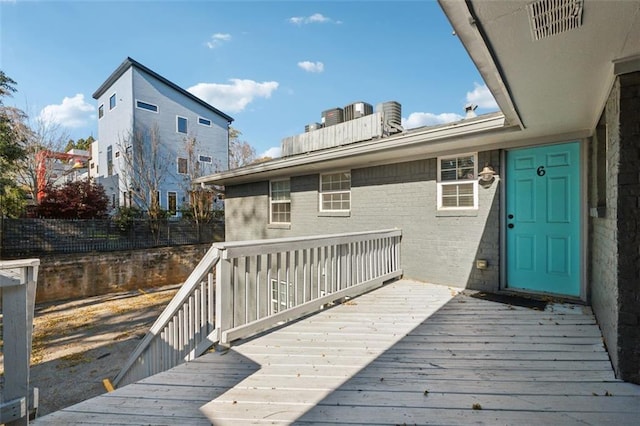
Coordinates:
<point>258,285</point>
<point>18,281</point>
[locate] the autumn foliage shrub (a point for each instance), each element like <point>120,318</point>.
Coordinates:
<point>74,200</point>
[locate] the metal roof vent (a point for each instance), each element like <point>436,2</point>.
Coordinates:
<point>550,17</point>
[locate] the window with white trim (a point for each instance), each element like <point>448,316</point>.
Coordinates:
<point>204,121</point>
<point>182,166</point>
<point>172,202</point>
<point>146,106</point>
<point>205,159</point>
<point>112,101</point>
<point>155,199</point>
<point>280,201</point>
<point>457,183</point>
<point>100,111</point>
<point>335,192</point>
<point>181,124</point>
<point>279,296</point>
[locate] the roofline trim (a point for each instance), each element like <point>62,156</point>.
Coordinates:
<point>626,65</point>
<point>469,31</point>
<point>129,62</point>
<point>459,129</point>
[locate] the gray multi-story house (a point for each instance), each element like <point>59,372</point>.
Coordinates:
<point>153,138</point>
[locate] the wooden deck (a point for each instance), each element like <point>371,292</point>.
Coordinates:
<point>408,353</point>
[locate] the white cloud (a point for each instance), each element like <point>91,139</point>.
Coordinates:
<point>316,18</point>
<point>233,97</point>
<point>419,119</point>
<point>72,112</point>
<point>273,152</point>
<point>482,97</point>
<point>311,66</point>
<point>217,39</point>
<point>319,18</point>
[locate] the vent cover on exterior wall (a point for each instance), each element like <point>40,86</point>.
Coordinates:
<point>550,17</point>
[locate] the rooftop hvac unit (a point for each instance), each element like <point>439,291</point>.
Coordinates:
<point>331,117</point>
<point>357,110</point>
<point>392,115</point>
<point>311,127</point>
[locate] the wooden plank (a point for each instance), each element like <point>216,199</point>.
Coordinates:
<point>281,245</point>
<point>13,411</point>
<point>325,370</point>
<point>242,412</point>
<point>19,263</point>
<point>271,398</point>
<point>301,310</point>
<point>464,349</point>
<point>423,354</point>
<point>403,415</point>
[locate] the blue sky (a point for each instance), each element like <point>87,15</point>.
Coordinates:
<point>274,66</point>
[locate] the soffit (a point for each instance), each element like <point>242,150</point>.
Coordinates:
<point>558,84</point>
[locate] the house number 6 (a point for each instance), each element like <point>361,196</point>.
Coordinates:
<point>541,171</point>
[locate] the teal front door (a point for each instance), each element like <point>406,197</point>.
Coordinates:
<point>543,219</point>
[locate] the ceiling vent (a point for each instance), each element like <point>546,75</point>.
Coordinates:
<point>550,17</point>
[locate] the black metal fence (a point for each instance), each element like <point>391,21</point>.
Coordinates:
<point>31,237</point>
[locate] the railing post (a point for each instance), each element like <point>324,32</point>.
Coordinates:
<point>224,297</point>
<point>18,301</point>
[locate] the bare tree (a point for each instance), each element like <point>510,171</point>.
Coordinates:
<point>201,198</point>
<point>143,169</point>
<point>42,142</point>
<point>240,152</point>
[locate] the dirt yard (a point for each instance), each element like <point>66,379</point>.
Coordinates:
<point>77,344</point>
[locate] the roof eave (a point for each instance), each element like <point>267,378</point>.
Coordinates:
<point>469,30</point>
<point>129,62</point>
<point>457,130</point>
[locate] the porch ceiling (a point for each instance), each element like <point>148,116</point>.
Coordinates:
<point>555,85</point>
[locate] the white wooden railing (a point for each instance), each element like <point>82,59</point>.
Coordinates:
<point>263,283</point>
<point>258,285</point>
<point>18,282</point>
<point>183,331</point>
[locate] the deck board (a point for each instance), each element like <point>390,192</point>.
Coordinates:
<point>370,361</point>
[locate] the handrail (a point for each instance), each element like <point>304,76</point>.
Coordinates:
<point>18,282</point>
<point>183,331</point>
<point>259,284</point>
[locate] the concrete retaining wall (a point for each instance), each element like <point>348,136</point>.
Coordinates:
<point>80,275</point>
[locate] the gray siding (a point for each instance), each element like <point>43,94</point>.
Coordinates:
<point>436,247</point>
<point>117,125</point>
<point>211,141</point>
<point>114,126</point>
